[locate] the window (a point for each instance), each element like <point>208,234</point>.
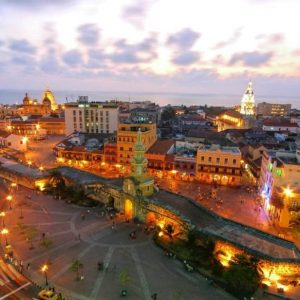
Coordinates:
<point>121,148</point>
<point>226,161</point>
<point>74,112</point>
<point>202,158</point>
<point>130,149</point>
<point>234,161</point>
<point>209,159</point>
<point>218,160</point>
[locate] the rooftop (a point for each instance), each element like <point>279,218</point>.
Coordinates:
<point>279,123</point>
<point>161,147</point>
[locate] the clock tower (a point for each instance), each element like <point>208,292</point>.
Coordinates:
<point>139,182</point>
<point>248,102</point>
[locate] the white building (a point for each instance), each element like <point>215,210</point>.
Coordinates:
<point>13,141</point>
<point>280,126</point>
<point>91,117</point>
<point>248,102</point>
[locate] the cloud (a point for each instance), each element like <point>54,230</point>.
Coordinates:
<point>275,38</point>
<point>23,59</point>
<point>134,53</point>
<point>35,4</point>
<point>96,59</point>
<point>73,58</point>
<point>50,62</point>
<point>184,39</point>
<point>22,45</point>
<point>136,12</point>
<point>186,58</point>
<point>251,59</point>
<point>296,52</point>
<point>89,34</point>
<point>236,35</point>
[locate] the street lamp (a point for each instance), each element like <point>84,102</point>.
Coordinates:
<point>288,192</point>
<point>4,232</point>
<point>9,199</point>
<point>2,214</point>
<point>45,269</point>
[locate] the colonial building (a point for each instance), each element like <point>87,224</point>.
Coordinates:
<point>91,117</point>
<point>271,109</point>
<point>280,186</point>
<point>220,165</point>
<point>33,107</point>
<point>13,141</point>
<point>248,102</point>
<point>280,125</point>
<point>52,125</point>
<point>127,137</point>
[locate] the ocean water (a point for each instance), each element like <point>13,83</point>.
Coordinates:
<point>62,96</point>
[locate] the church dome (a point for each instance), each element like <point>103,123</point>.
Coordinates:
<point>48,96</point>
<point>46,102</point>
<point>26,100</point>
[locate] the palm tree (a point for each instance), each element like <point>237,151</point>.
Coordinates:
<point>57,180</point>
<point>76,266</point>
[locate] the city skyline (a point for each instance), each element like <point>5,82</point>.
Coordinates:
<point>148,46</point>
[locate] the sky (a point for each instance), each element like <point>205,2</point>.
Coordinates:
<point>167,46</point>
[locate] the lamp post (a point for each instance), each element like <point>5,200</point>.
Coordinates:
<point>9,199</point>
<point>2,214</point>
<point>4,232</point>
<point>45,269</point>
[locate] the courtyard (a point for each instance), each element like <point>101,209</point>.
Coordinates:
<point>92,236</point>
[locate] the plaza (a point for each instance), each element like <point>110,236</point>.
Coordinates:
<point>91,240</point>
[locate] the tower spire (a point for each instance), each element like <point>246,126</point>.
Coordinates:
<point>248,102</point>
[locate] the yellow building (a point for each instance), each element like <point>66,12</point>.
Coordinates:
<point>220,165</point>
<point>127,137</point>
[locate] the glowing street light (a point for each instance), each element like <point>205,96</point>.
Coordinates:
<point>288,192</point>
<point>9,199</point>
<point>4,232</point>
<point>2,214</point>
<point>44,270</point>
<point>29,163</point>
<point>41,168</point>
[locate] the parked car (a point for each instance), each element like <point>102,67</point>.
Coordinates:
<point>47,295</point>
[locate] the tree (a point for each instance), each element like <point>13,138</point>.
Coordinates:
<point>57,180</point>
<point>31,233</point>
<point>124,278</point>
<point>46,244</point>
<point>76,266</point>
<point>168,114</point>
<point>242,277</point>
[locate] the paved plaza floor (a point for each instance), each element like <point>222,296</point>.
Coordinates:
<point>149,270</point>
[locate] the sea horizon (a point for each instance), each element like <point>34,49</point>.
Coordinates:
<point>15,96</point>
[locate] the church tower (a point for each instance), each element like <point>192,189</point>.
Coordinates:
<point>139,183</point>
<point>248,102</point>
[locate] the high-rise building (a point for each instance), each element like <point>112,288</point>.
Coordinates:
<point>248,102</point>
<point>91,117</point>
<point>271,109</point>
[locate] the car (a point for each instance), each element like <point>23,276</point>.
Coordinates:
<point>47,295</point>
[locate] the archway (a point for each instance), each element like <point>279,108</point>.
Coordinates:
<point>150,217</point>
<point>128,209</point>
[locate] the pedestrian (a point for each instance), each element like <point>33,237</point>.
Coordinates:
<point>28,266</point>
<point>154,296</point>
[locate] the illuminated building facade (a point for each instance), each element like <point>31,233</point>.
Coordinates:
<point>280,186</point>
<point>271,109</point>
<point>230,120</point>
<point>91,117</point>
<point>127,136</point>
<point>13,141</point>
<point>220,165</point>
<point>248,102</point>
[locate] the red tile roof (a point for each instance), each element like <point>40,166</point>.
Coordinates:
<point>161,147</point>
<point>279,123</point>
